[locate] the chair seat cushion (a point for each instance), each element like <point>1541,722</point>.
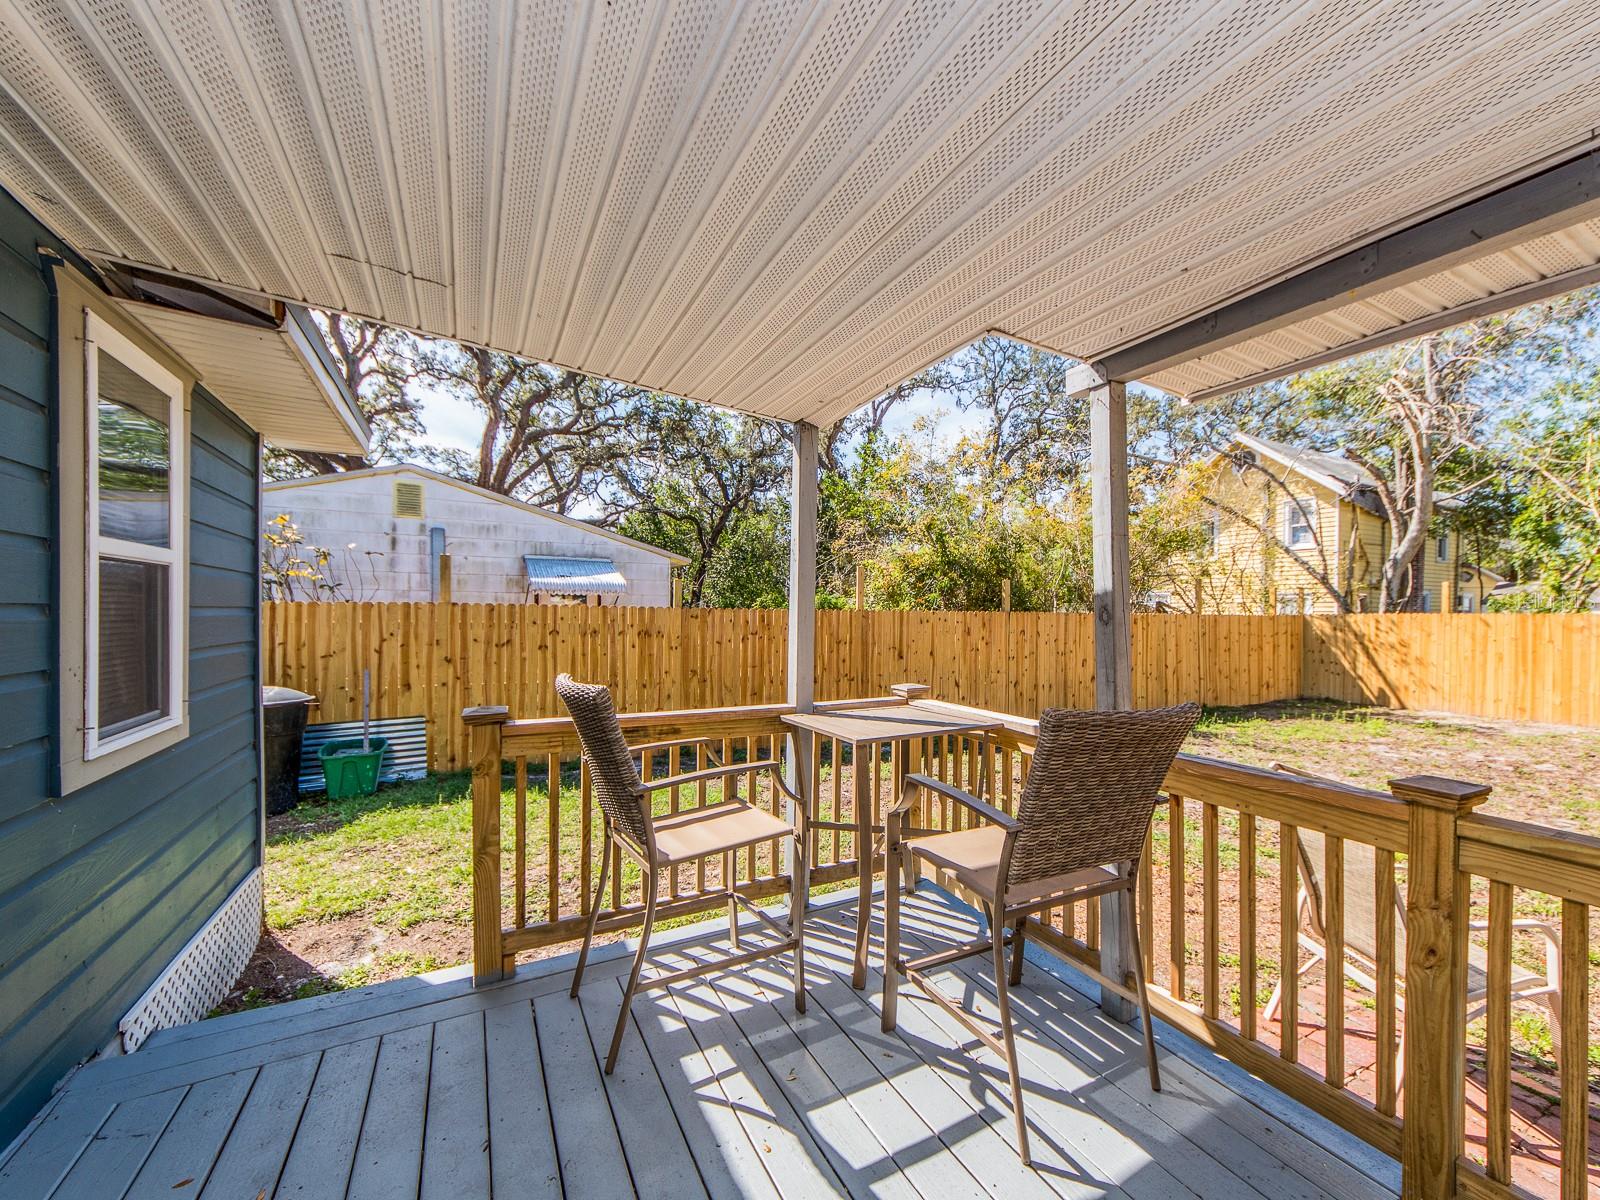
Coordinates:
<point>712,830</point>
<point>973,855</point>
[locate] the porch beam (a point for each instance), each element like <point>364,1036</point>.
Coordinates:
<point>1113,636</point>
<point>802,660</point>
<point>1553,199</point>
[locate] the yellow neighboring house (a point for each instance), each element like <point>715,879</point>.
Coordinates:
<point>1289,523</point>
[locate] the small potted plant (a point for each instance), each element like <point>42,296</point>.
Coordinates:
<point>350,766</point>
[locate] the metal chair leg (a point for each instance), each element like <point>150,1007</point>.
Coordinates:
<point>997,932</point>
<point>594,916</point>
<point>1019,934</point>
<point>638,965</point>
<point>891,938</point>
<point>799,891</point>
<point>728,881</point>
<point>1144,1007</point>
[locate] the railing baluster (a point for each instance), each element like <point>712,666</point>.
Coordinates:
<point>1176,941</point>
<point>701,752</point>
<point>674,767</point>
<point>1247,925</point>
<point>1574,1049</point>
<point>1333,973</point>
<point>1497,1034</point>
<point>1288,943</point>
<point>834,785</point>
<point>1211,915</point>
<point>519,838</point>
<point>1388,1051</point>
<point>553,788</point>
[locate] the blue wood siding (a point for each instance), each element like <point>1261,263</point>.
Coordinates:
<point>98,890</point>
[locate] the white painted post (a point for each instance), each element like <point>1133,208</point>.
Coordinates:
<point>802,662</point>
<point>1113,633</point>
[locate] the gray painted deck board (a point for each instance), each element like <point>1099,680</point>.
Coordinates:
<point>455,1148</point>
<point>722,1089</point>
<point>388,1163</point>
<point>588,1146</point>
<point>110,1162</point>
<point>252,1158</point>
<point>323,1151</point>
<point>522,1152</point>
<point>192,1140</point>
<point>652,1140</point>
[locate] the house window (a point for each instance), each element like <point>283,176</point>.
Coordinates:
<point>1441,548</point>
<point>1464,604</point>
<point>134,602</point>
<point>1299,523</point>
<point>1213,534</point>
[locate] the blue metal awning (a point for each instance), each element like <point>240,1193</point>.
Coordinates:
<point>574,576</point>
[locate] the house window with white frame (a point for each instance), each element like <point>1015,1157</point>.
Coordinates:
<point>1441,548</point>
<point>134,632</point>
<point>1299,523</point>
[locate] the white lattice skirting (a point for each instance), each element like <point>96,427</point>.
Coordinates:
<point>204,970</point>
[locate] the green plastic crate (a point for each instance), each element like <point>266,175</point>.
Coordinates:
<point>350,771</point>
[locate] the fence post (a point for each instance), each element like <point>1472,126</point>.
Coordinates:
<point>1437,912</point>
<point>484,730</point>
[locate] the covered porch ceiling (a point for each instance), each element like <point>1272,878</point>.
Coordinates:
<point>787,207</point>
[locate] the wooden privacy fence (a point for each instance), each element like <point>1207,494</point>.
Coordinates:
<point>436,659</point>
<point>1390,879</point>
<point>1517,666</point>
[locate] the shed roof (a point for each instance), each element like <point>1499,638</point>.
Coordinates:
<point>574,576</point>
<point>787,207</point>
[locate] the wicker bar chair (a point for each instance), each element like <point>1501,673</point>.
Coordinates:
<point>660,845</point>
<point>1080,832</point>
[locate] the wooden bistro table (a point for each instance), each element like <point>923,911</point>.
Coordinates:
<point>863,730</point>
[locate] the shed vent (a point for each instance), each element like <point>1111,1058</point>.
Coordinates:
<point>407,499</point>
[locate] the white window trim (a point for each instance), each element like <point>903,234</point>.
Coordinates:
<point>1307,508</point>
<point>99,335</point>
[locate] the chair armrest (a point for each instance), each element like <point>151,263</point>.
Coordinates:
<point>710,743</point>
<point>987,811</point>
<point>1552,941</point>
<point>712,773</point>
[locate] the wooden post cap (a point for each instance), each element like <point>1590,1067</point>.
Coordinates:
<point>486,714</point>
<point>1439,792</point>
<point>909,691</point>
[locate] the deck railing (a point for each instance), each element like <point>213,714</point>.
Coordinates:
<point>1218,904</point>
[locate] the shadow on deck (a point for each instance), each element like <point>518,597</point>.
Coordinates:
<point>425,1087</point>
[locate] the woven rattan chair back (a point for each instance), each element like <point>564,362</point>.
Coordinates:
<point>612,772</point>
<point>1360,894</point>
<point>1093,786</point>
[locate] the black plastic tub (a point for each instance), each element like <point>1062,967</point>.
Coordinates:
<point>283,720</point>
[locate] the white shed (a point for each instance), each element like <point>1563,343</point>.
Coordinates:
<point>387,527</point>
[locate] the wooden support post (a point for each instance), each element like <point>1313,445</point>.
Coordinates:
<point>1005,595</point>
<point>861,586</point>
<point>1447,596</point>
<point>677,590</point>
<point>444,579</point>
<point>1113,636</point>
<point>1437,912</point>
<point>488,936</point>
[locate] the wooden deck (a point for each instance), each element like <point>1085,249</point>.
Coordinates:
<point>424,1087</point>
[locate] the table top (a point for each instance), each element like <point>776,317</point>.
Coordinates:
<point>889,723</point>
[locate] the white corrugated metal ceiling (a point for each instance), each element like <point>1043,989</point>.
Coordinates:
<point>781,206</point>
